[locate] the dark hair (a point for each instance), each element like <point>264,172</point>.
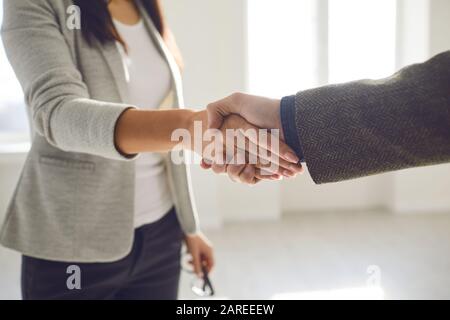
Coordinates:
<point>96,21</point>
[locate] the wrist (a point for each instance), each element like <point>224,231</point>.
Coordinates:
<point>276,115</point>
<point>196,123</point>
<point>192,236</point>
<point>196,118</point>
<point>262,112</point>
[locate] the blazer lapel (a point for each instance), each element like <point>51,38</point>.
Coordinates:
<point>115,63</point>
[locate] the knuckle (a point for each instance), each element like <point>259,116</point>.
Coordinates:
<point>217,168</point>
<point>234,169</point>
<point>244,179</point>
<point>236,95</point>
<point>248,175</point>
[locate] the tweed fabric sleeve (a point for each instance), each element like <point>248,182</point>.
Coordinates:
<point>374,126</point>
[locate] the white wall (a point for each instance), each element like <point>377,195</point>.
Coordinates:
<point>439,26</point>
<point>302,195</point>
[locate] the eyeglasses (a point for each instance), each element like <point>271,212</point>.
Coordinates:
<point>202,287</point>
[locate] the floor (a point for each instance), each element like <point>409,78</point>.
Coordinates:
<point>334,255</point>
<point>326,255</point>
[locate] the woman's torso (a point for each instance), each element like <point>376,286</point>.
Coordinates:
<point>75,206</point>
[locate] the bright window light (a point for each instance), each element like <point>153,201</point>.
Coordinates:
<point>363,293</point>
<point>286,49</point>
<point>281,46</point>
<point>361,39</point>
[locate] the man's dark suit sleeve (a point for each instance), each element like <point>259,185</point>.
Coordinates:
<point>368,127</point>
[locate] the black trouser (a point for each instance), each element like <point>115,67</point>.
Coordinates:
<point>151,271</point>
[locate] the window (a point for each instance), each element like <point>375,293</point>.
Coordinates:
<point>361,39</point>
<point>13,118</point>
<point>295,45</point>
<point>281,46</point>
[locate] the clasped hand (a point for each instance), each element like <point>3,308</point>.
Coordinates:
<point>254,149</point>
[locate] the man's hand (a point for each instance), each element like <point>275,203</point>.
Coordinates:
<point>270,165</point>
<point>261,112</point>
<point>248,161</point>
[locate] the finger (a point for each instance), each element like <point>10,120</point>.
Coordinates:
<point>238,147</point>
<point>257,180</point>
<point>205,165</point>
<point>197,265</point>
<point>215,119</point>
<point>234,171</point>
<point>263,159</point>
<point>242,143</point>
<point>262,175</point>
<point>219,168</point>
<point>248,175</point>
<point>262,155</point>
<point>209,261</point>
<point>286,169</point>
<point>274,144</point>
<point>252,175</point>
<point>217,111</point>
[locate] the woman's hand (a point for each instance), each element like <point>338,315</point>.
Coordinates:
<point>201,252</point>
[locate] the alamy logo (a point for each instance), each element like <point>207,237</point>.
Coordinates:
<point>74,280</point>
<point>74,18</point>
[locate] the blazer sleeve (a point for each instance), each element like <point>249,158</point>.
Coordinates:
<point>373,126</point>
<point>59,102</point>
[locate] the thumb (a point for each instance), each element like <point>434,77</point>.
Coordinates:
<point>215,116</point>
<point>219,110</point>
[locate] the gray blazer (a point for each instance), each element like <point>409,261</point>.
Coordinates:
<point>367,127</point>
<point>75,197</point>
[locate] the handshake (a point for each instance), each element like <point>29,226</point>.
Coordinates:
<point>246,140</point>
<point>344,131</point>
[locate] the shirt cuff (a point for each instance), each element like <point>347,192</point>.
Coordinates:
<point>287,114</point>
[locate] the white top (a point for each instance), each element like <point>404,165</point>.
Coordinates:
<point>149,82</point>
